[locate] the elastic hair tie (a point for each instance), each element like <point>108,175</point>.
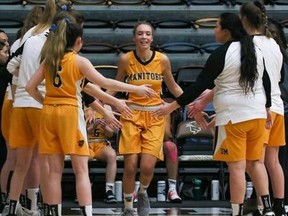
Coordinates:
<point>53,28</point>
<point>64,8</point>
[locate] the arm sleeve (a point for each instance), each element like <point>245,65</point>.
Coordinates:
<point>87,99</point>
<point>282,72</point>
<point>205,80</point>
<point>267,88</point>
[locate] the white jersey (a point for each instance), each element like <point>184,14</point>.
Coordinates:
<point>273,63</point>
<point>230,103</point>
<point>221,72</point>
<point>15,62</point>
<point>10,67</point>
<point>29,64</point>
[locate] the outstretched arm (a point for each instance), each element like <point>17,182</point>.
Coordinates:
<point>94,76</point>
<point>111,121</point>
<point>200,103</point>
<point>97,92</point>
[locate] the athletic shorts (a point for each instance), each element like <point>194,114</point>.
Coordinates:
<point>276,135</point>
<point>6,117</point>
<point>142,133</point>
<point>63,130</point>
<point>96,148</point>
<point>24,127</point>
<point>240,141</point>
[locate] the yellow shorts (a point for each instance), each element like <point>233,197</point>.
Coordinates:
<point>6,117</point>
<point>240,141</point>
<point>142,133</point>
<point>24,127</point>
<point>63,130</point>
<point>96,148</point>
<point>276,135</point>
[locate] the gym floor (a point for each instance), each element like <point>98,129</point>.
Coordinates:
<point>187,207</point>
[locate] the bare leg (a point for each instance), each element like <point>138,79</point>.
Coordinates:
<point>237,181</point>
<point>83,188</point>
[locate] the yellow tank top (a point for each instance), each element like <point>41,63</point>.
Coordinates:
<point>65,87</point>
<point>139,73</point>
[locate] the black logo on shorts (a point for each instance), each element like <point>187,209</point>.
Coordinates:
<point>81,143</point>
<point>224,151</point>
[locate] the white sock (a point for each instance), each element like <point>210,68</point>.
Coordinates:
<point>260,208</point>
<point>143,188</point>
<point>32,195</point>
<point>172,184</point>
<point>237,209</point>
<point>56,209</point>
<point>110,186</point>
<point>87,210</point>
<point>128,201</point>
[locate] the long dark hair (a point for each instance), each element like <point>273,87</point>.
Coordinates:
<point>256,16</point>
<point>232,23</point>
<point>248,69</point>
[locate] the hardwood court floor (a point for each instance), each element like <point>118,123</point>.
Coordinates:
<point>186,208</point>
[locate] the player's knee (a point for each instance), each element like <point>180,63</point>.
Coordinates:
<point>171,150</point>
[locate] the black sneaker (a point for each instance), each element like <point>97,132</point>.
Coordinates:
<point>110,197</point>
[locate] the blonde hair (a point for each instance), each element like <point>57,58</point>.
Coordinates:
<point>51,7</point>
<point>32,19</point>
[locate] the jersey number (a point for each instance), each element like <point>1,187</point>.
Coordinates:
<point>57,82</point>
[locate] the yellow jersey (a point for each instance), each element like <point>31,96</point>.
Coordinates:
<point>139,73</point>
<point>64,88</point>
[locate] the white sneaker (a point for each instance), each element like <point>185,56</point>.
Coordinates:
<point>5,210</point>
<point>28,212</point>
<point>173,197</point>
<point>19,210</point>
<point>143,207</point>
<point>270,213</point>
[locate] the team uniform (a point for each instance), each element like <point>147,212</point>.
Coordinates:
<point>8,100</point>
<point>143,133</point>
<point>97,139</point>
<point>240,118</point>
<point>273,62</point>
<point>26,110</point>
<point>62,128</point>
<point>6,113</point>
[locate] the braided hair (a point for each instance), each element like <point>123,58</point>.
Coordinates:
<point>256,15</point>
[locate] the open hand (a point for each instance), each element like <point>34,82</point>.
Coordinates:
<point>123,108</point>
<point>146,91</point>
